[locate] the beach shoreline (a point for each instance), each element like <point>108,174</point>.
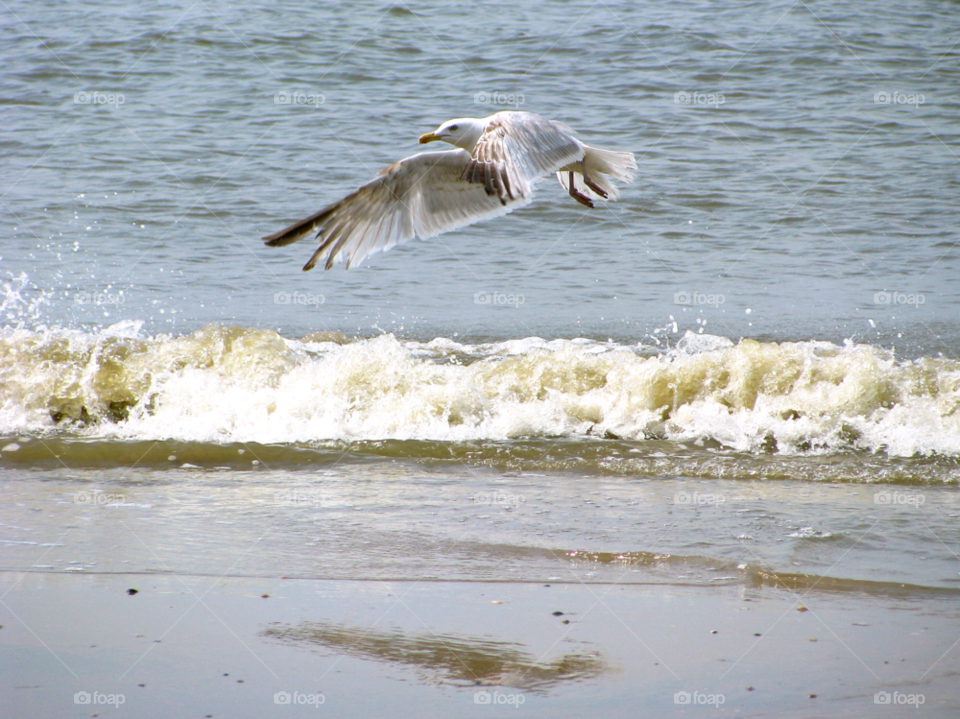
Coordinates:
<point>201,646</point>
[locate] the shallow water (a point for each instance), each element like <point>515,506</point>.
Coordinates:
<point>393,519</point>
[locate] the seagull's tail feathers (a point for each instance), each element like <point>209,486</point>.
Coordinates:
<point>602,167</point>
<point>299,230</point>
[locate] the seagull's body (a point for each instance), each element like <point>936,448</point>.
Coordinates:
<point>496,163</point>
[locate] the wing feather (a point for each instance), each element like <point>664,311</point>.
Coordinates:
<point>420,196</point>
<point>516,150</point>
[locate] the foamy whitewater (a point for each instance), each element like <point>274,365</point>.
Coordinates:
<point>231,384</point>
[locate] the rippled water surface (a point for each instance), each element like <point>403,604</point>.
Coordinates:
<point>798,198</point>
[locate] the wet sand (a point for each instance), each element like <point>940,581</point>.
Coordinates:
<point>206,646</point>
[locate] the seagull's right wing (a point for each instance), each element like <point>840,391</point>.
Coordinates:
<point>421,196</point>
<point>517,149</point>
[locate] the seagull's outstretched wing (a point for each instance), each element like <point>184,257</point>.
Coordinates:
<point>423,196</point>
<point>516,150</point>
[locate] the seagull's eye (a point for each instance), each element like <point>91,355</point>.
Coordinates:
<point>453,128</point>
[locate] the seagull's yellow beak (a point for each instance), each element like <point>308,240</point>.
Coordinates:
<point>428,137</point>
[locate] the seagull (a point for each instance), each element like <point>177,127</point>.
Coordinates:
<point>493,170</point>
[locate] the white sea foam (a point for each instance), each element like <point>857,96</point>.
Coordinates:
<point>224,384</point>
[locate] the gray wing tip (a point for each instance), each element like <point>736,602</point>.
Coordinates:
<point>288,235</point>
<point>314,258</point>
<point>299,230</point>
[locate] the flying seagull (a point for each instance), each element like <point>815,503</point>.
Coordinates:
<point>497,162</point>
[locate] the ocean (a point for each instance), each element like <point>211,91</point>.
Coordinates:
<point>744,375</point>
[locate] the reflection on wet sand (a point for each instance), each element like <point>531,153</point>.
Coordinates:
<point>443,658</point>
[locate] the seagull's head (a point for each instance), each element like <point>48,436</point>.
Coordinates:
<point>462,132</point>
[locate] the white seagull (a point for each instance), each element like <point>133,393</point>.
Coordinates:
<point>497,162</point>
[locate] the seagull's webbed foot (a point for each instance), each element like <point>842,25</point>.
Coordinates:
<point>595,187</point>
<point>577,195</point>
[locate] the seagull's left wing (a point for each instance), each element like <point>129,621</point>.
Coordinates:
<point>516,150</point>
<point>422,196</point>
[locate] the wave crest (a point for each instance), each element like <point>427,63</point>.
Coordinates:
<point>231,384</point>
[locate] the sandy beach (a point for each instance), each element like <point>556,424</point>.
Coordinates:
<point>217,647</point>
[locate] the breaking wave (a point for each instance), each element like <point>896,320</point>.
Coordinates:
<point>231,384</point>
